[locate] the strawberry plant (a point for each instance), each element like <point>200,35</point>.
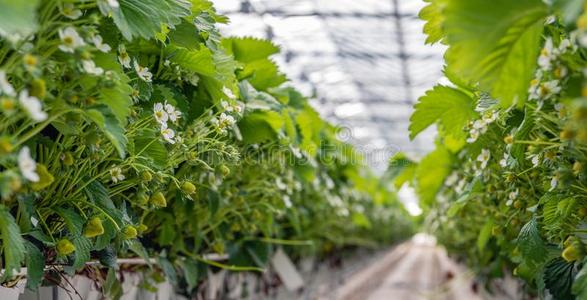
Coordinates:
<point>506,186</point>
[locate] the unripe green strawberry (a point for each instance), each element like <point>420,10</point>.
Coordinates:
<point>67,158</point>
<point>129,232</point>
<point>142,228</point>
<point>571,253</point>
<point>45,178</point>
<point>5,145</point>
<point>158,200</point>
<point>188,188</point>
<point>65,247</point>
<point>146,176</point>
<point>94,228</point>
<point>38,88</point>
<point>225,170</point>
<point>142,198</point>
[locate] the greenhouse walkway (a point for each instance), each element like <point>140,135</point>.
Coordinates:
<point>418,270</point>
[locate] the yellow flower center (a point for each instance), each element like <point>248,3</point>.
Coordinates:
<point>68,41</point>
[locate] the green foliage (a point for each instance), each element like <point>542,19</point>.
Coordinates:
<point>18,19</point>
<point>451,108</point>
<point>153,137</point>
<point>12,243</point>
<point>496,46</point>
<point>515,197</point>
<point>143,18</point>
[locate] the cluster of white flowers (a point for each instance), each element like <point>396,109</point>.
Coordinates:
<point>143,72</point>
<point>512,197</point>
<point>223,122</point>
<point>116,174</point>
<point>483,158</point>
<point>163,113</point>
<point>543,87</point>
<point>27,165</point>
<point>480,126</point>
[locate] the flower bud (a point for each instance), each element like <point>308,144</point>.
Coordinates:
<point>129,232</point>
<point>188,188</point>
<point>142,198</point>
<point>509,139</point>
<point>146,176</point>
<point>158,200</point>
<point>67,158</point>
<point>86,55</point>
<point>94,228</point>
<point>65,247</point>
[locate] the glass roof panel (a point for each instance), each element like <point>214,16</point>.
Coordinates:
<point>365,62</point>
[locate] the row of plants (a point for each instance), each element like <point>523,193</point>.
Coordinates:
<point>132,128</point>
<point>506,185</point>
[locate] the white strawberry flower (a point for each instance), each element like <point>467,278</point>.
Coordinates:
<point>116,174</point>
<point>484,157</point>
<point>70,40</point>
<point>554,182</point>
<point>226,106</point>
<point>504,161</point>
<point>160,114</point>
<point>5,86</point>
<point>123,56</point>
<point>547,55</point>
<point>27,165</point>
<point>33,106</point>
<point>168,134</point>
<point>473,135</point>
<point>100,45</point>
<point>143,72</point>
<point>71,12</point>
<point>113,3</point>
<point>90,67</point>
<point>173,113</point>
<point>511,197</point>
<point>228,92</point>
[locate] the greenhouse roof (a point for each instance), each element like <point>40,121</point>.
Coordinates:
<point>364,62</point>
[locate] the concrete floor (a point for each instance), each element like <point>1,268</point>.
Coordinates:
<point>417,270</point>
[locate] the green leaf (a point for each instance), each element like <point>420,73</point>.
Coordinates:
<point>118,100</point>
<point>452,108</point>
<point>262,74</point>
<point>484,235</point>
<point>103,117</point>
<point>495,43</point>
<point>530,243</point>
<point>35,264</point>
<point>558,278</point>
<point>191,272</point>
<point>168,269</point>
<point>579,287</point>
<point>18,18</point>
<point>147,144</point>
<point>12,243</point>
<point>249,49</point>
<point>143,18</point>
<point>75,225</point>
<point>261,125</point>
<point>199,61</point>
<point>570,10</point>
<point>310,125</point>
<point>430,174</point>
<point>432,14</point>
<point>112,287</point>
